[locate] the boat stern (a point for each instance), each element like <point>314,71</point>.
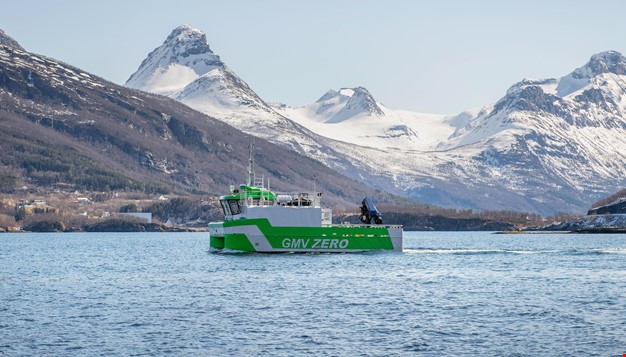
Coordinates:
<point>395,234</point>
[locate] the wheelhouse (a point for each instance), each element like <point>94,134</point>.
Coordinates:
<point>246,196</point>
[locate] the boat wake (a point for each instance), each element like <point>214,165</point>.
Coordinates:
<point>614,251</point>
<point>226,251</point>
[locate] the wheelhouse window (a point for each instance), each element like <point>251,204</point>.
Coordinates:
<point>225,207</point>
<point>234,207</point>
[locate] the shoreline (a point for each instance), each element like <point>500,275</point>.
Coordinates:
<point>119,226</point>
<point>597,230</point>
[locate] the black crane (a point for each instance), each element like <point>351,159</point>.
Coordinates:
<point>369,211</point>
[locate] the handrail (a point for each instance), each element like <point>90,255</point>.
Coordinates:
<point>366,225</point>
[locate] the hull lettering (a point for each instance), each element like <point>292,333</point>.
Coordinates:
<point>317,243</point>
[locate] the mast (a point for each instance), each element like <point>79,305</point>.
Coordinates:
<point>251,165</point>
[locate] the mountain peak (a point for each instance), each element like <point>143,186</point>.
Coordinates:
<point>361,98</point>
<point>7,40</point>
<point>347,93</point>
<point>608,62</point>
<point>603,62</point>
<point>191,40</point>
<point>357,100</point>
<point>183,57</point>
<point>185,68</point>
<point>185,28</point>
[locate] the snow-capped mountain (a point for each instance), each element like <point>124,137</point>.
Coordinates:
<point>556,143</point>
<point>185,68</point>
<point>336,107</point>
<point>547,146</point>
<point>352,115</point>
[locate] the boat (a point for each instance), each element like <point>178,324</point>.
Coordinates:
<point>257,219</point>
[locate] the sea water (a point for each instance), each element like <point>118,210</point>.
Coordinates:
<point>461,293</point>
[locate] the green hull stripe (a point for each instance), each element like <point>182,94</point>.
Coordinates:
<point>238,242</point>
<point>217,242</point>
<point>308,238</point>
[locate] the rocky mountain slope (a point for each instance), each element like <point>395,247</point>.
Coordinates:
<point>8,41</point>
<point>547,146</point>
<point>558,142</point>
<point>63,127</point>
<point>613,204</point>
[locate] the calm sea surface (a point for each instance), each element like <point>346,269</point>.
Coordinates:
<point>458,294</point>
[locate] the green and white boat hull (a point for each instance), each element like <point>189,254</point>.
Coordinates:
<point>259,220</point>
<point>259,235</point>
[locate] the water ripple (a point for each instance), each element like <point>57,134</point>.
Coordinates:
<point>446,294</point>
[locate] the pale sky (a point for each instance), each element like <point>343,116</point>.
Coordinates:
<point>425,56</point>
